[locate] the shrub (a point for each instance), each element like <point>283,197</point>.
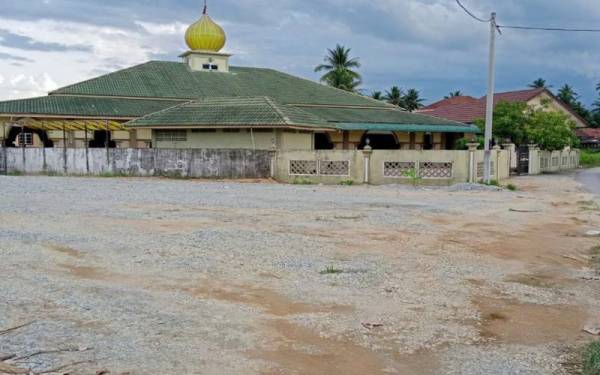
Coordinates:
<point>511,187</point>
<point>413,176</point>
<point>347,183</point>
<point>590,159</point>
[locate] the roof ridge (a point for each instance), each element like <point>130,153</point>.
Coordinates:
<point>285,118</point>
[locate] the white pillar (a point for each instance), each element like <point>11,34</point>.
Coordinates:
<point>472,164</point>
<point>367,151</point>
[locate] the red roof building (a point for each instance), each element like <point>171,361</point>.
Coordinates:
<point>467,109</point>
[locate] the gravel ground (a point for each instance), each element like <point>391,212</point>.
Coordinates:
<point>152,276</point>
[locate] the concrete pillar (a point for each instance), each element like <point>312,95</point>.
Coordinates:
<point>273,154</point>
<point>534,160</point>
<point>497,149</point>
<point>367,151</point>
<point>472,164</point>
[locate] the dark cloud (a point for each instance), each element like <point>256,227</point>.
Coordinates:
<point>14,58</point>
<point>428,44</point>
<point>11,40</point>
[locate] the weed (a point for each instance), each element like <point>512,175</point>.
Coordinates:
<point>511,187</point>
<point>112,174</point>
<point>591,359</point>
<point>302,181</point>
<point>588,205</point>
<point>347,183</point>
<point>15,173</point>
<point>331,270</point>
<point>491,183</point>
<point>414,177</point>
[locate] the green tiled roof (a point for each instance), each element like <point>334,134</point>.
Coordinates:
<point>162,79</point>
<point>83,106</point>
<point>247,111</point>
<point>376,116</point>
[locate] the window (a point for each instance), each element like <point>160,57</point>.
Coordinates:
<point>210,67</point>
<point>171,135</point>
<point>25,139</point>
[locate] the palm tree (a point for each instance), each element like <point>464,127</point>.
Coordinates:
<point>412,100</point>
<point>539,83</point>
<point>338,66</point>
<point>377,95</point>
<point>394,96</point>
<point>454,94</point>
<point>568,95</point>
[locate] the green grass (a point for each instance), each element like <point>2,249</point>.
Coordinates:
<point>511,187</point>
<point>491,183</point>
<point>590,159</point>
<point>331,270</point>
<point>591,359</point>
<point>347,183</point>
<point>15,173</point>
<point>302,181</point>
<point>112,174</point>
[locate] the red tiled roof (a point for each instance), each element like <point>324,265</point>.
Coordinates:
<point>588,133</point>
<point>473,109</point>
<point>455,100</point>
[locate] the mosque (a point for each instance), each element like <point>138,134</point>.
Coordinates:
<point>204,102</point>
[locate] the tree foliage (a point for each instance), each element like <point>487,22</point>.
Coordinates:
<point>523,124</point>
<point>454,94</point>
<point>339,69</point>
<point>412,100</point>
<point>539,83</point>
<point>377,95</point>
<point>394,96</point>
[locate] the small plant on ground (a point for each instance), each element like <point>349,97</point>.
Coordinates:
<point>331,270</point>
<point>302,181</point>
<point>511,187</point>
<point>591,359</point>
<point>492,183</point>
<point>347,183</point>
<point>414,177</point>
<point>112,174</point>
<point>15,173</point>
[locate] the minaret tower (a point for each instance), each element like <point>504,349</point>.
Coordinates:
<point>205,38</point>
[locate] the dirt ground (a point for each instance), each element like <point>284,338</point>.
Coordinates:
<point>151,276</point>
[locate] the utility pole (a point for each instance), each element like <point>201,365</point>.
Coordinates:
<point>489,113</point>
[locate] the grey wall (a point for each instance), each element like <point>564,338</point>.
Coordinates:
<point>141,162</point>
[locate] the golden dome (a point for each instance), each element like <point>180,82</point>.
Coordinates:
<point>205,35</point>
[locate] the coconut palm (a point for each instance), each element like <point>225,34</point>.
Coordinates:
<point>412,100</point>
<point>567,94</point>
<point>454,94</point>
<point>539,83</point>
<point>394,96</point>
<point>339,69</point>
<point>377,95</point>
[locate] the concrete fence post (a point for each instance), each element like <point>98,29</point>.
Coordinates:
<point>472,164</point>
<point>367,151</point>
<point>497,149</point>
<point>534,160</point>
<point>273,155</point>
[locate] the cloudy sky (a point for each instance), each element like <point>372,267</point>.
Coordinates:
<point>431,45</point>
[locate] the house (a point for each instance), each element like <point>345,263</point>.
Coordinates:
<point>590,137</point>
<point>203,102</point>
<point>467,109</point>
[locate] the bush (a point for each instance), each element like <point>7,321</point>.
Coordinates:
<point>511,187</point>
<point>591,359</point>
<point>590,159</point>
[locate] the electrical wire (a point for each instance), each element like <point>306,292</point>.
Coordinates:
<point>549,29</point>
<point>470,13</point>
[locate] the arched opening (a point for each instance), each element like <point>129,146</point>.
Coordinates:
<point>380,141</point>
<point>323,142</point>
<point>15,131</point>
<point>100,138</point>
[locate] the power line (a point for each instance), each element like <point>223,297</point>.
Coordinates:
<point>563,29</point>
<point>471,14</point>
<point>549,29</point>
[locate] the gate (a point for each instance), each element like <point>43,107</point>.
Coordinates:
<point>522,160</point>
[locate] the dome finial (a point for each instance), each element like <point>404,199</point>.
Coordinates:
<point>205,34</point>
